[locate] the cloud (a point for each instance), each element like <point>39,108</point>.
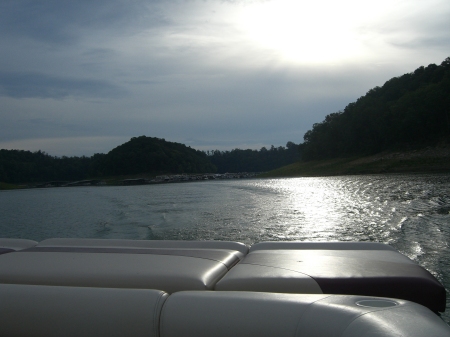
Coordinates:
<point>64,21</point>
<point>414,25</point>
<point>62,146</point>
<point>31,84</point>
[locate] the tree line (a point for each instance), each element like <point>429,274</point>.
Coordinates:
<point>140,155</point>
<point>412,110</point>
<point>262,160</point>
<point>18,166</point>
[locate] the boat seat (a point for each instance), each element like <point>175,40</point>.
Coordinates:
<point>247,314</point>
<point>170,266</point>
<point>12,245</point>
<point>37,311</point>
<point>356,268</point>
<point>54,311</point>
<point>124,243</point>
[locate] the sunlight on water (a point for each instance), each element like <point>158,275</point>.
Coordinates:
<point>334,208</point>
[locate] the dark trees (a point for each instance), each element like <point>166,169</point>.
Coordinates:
<point>140,155</point>
<point>149,155</point>
<point>17,166</point>
<point>238,160</point>
<point>410,110</point>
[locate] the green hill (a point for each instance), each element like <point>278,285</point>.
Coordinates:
<point>150,155</point>
<point>140,155</point>
<point>408,112</point>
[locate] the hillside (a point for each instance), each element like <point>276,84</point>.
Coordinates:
<point>408,112</point>
<point>150,155</point>
<point>425,160</point>
<point>140,155</point>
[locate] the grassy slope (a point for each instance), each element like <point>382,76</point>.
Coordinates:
<point>430,160</point>
<point>5,186</point>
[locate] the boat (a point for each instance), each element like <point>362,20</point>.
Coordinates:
<point>107,287</point>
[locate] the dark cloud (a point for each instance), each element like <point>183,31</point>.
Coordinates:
<point>31,84</point>
<point>62,21</point>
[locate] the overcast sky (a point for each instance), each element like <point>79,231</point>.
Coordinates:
<point>82,77</point>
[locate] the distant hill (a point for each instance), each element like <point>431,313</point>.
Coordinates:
<point>407,112</point>
<point>150,155</point>
<point>142,155</point>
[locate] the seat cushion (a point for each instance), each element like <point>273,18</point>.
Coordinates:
<point>379,272</point>
<point>117,265</point>
<point>254,314</point>
<point>35,311</point>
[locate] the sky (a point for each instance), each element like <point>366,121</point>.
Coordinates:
<point>82,77</point>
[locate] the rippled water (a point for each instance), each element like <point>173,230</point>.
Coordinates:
<point>409,212</point>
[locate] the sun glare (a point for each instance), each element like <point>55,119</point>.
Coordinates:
<point>302,31</point>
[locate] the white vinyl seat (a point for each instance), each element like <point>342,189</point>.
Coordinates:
<point>352,268</point>
<point>124,243</point>
<point>49,311</point>
<point>54,311</point>
<point>170,266</point>
<point>11,245</point>
<point>253,314</point>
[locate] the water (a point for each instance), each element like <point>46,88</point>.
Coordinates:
<point>409,212</point>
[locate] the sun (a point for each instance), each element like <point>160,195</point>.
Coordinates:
<point>302,31</point>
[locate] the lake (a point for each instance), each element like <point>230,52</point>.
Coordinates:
<point>409,212</point>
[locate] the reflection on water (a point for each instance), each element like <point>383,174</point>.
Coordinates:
<point>409,212</point>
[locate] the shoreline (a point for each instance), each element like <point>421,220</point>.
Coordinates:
<point>428,160</point>
<point>132,180</point>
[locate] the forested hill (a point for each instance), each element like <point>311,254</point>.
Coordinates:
<point>148,154</point>
<point>137,156</point>
<point>410,111</point>
<point>140,155</point>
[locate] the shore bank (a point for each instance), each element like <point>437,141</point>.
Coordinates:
<point>143,179</point>
<point>428,160</point>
